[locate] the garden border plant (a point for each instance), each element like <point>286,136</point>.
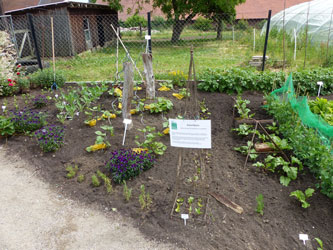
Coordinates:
<point>306,143</point>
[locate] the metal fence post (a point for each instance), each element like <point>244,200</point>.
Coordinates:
<point>266,39</point>
<point>33,34</point>
<point>149,31</point>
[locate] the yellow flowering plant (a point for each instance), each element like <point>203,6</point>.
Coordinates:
<point>178,78</point>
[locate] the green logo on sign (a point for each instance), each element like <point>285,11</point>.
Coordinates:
<point>174,125</point>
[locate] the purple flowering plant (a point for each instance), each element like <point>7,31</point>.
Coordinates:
<point>27,120</point>
<point>40,101</point>
<point>125,164</point>
<point>50,138</point>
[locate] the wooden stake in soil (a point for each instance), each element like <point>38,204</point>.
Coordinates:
<point>150,80</point>
<point>127,92</point>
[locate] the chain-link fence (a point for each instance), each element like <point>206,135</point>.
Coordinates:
<point>87,48</point>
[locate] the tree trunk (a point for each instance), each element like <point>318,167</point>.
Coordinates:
<point>179,26</point>
<point>177,29</point>
<point>219,29</point>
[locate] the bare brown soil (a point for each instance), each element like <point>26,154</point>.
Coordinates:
<point>221,228</point>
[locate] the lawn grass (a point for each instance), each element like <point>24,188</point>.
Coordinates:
<point>208,53</point>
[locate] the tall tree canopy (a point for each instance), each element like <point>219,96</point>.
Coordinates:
<point>183,11</point>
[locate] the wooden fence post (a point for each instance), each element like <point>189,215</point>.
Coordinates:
<point>127,92</point>
<point>150,80</point>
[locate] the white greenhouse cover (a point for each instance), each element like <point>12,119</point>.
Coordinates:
<point>317,14</point>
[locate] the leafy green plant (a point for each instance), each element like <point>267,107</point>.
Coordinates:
<point>81,178</point>
<point>246,149</point>
<point>243,129</point>
<point>107,181</point>
<point>184,92</point>
<point>100,140</point>
<point>324,108</point>
<point>302,197</point>
<point>178,78</point>
<point>241,106</point>
<point>145,199</point>
<point>6,127</point>
<point>179,203</point>
<point>306,143</point>
<point>127,192</point>
<point>45,78</point>
<point>260,204</point>
<point>150,141</point>
<point>95,181</point>
<point>72,171</point>
<point>204,111</point>
<point>237,80</point>
<point>320,243</point>
<point>162,105</point>
<point>281,143</point>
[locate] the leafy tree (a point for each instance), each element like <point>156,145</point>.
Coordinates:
<point>183,11</point>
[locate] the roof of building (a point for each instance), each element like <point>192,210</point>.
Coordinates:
<point>70,4</point>
<point>258,9</point>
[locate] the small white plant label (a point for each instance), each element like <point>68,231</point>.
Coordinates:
<point>184,217</point>
<point>3,108</point>
<point>147,37</point>
<point>320,85</point>
<point>303,237</point>
<point>126,122</point>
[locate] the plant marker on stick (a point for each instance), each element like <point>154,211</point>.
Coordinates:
<point>184,217</point>
<point>126,122</point>
<point>303,237</point>
<point>3,109</point>
<point>320,84</point>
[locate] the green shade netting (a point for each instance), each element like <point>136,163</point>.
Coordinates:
<point>301,107</point>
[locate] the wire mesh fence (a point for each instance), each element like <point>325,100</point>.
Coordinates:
<point>86,46</point>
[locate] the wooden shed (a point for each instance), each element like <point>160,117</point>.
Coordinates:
<point>77,27</point>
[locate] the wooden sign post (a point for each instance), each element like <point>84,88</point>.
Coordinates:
<point>150,80</point>
<point>127,92</point>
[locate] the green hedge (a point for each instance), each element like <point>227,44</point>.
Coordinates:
<point>237,80</point>
<point>306,144</point>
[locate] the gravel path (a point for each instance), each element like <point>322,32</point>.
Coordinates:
<point>32,216</point>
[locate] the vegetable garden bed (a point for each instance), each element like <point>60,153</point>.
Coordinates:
<point>283,217</point>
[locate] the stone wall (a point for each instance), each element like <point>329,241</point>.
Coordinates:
<point>8,56</point>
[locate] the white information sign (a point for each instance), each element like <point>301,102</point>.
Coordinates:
<point>190,133</point>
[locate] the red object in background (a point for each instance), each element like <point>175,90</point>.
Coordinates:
<point>10,84</point>
<point>9,80</point>
<point>18,73</point>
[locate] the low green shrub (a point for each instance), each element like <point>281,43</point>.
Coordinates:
<point>45,78</point>
<point>306,143</point>
<point>237,80</point>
